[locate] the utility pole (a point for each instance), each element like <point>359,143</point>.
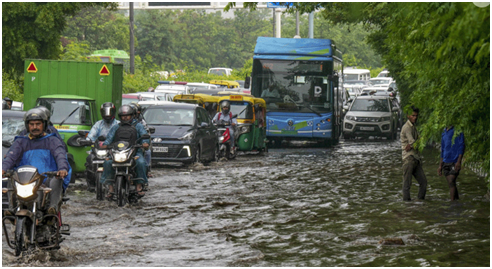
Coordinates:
<point>297,23</point>
<point>132,44</point>
<point>274,22</point>
<point>311,24</point>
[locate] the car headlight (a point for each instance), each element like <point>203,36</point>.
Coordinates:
<point>119,157</point>
<point>351,118</point>
<point>385,119</point>
<point>187,136</point>
<point>157,140</point>
<point>25,191</point>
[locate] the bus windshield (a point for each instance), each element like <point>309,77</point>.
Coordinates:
<point>293,85</point>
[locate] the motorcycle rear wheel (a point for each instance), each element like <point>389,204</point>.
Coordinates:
<point>99,188</point>
<point>121,190</point>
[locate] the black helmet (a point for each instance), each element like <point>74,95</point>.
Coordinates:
<point>108,111</point>
<point>137,106</point>
<point>36,114</point>
<point>126,110</point>
<point>45,110</point>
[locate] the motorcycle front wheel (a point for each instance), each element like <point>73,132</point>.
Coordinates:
<point>21,235</point>
<point>99,187</point>
<point>121,190</point>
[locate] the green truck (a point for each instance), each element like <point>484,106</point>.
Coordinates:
<point>73,92</point>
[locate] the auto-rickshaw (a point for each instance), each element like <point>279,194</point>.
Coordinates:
<point>251,121</point>
<point>206,101</point>
<point>230,84</point>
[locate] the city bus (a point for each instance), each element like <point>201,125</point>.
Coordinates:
<point>301,81</point>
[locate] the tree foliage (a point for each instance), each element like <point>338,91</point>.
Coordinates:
<point>100,28</point>
<point>32,30</point>
<point>439,53</point>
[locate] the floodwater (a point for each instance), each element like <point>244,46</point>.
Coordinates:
<point>295,206</point>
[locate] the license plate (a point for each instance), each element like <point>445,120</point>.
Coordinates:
<point>367,128</point>
<point>160,149</point>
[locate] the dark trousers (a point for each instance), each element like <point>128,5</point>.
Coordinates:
<point>56,185</point>
<point>413,167</point>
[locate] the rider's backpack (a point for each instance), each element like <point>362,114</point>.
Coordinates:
<point>230,116</point>
<point>126,132</point>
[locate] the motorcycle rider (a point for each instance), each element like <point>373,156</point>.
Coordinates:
<point>9,102</point>
<point>226,115</point>
<point>100,128</point>
<point>140,119</point>
<point>126,114</point>
<point>43,151</point>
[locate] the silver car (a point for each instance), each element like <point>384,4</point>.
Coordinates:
<point>371,116</point>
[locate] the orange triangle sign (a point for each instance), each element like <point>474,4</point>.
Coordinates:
<point>104,71</point>
<point>32,68</point>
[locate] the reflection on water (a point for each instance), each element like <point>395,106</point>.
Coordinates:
<point>295,206</point>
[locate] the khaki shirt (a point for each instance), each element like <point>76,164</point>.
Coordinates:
<point>409,135</point>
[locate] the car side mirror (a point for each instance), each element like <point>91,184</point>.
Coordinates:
<point>81,133</point>
<point>151,130</point>
<point>247,82</point>
<point>345,107</point>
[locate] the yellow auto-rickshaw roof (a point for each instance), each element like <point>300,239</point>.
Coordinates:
<point>225,82</point>
<point>200,97</point>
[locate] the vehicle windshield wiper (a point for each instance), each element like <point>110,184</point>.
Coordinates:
<point>317,113</point>
<point>63,121</point>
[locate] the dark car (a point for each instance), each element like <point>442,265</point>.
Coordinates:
<point>12,125</point>
<point>183,133</point>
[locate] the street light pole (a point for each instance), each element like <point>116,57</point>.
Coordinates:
<point>132,45</point>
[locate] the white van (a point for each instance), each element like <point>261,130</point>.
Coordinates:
<point>352,73</point>
<point>221,71</point>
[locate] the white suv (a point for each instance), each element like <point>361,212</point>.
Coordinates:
<point>371,116</point>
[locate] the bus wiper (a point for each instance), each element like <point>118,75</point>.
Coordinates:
<point>63,121</point>
<point>292,100</point>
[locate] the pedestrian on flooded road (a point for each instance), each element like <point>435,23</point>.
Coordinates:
<point>412,160</point>
<point>451,155</point>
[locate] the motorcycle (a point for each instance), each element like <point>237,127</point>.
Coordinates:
<point>124,163</point>
<point>225,140</point>
<point>95,169</point>
<point>34,227</point>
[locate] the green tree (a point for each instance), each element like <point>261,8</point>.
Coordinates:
<point>32,30</point>
<point>100,27</point>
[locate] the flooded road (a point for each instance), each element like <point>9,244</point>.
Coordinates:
<point>296,206</point>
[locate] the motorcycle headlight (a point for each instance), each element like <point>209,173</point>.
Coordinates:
<point>384,119</point>
<point>221,138</point>
<point>25,191</point>
<point>187,136</point>
<point>101,153</point>
<point>120,157</point>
